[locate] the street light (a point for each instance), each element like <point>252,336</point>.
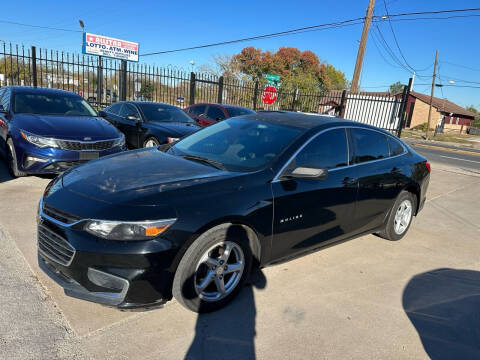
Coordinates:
<point>191,62</point>
<point>82,25</point>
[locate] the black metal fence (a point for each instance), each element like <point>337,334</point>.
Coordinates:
<point>103,81</point>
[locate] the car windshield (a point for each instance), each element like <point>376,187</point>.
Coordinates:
<point>164,113</point>
<point>238,144</point>
<point>52,104</point>
<point>238,111</point>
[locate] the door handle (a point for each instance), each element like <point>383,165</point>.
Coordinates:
<point>349,181</point>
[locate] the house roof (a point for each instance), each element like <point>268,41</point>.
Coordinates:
<point>443,105</point>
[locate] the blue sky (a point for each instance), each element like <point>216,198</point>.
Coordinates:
<point>161,25</point>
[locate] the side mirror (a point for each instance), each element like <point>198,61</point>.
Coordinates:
<point>307,173</point>
<point>132,118</point>
<point>102,114</point>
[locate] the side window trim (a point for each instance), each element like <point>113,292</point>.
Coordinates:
<point>282,169</point>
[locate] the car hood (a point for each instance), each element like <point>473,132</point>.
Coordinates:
<point>177,129</point>
<point>144,177</point>
<point>67,127</point>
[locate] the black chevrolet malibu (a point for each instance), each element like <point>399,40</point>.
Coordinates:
<point>138,228</point>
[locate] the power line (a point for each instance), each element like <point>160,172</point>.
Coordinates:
<point>462,66</point>
<point>265,36</point>
<point>308,28</point>
<point>395,37</point>
<point>38,26</point>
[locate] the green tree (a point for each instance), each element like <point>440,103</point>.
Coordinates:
<point>473,109</point>
<point>396,88</point>
<point>338,80</point>
<point>146,90</point>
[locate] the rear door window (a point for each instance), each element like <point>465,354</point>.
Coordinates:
<point>128,109</point>
<point>369,145</point>
<point>215,113</point>
<point>198,110</point>
<point>395,147</point>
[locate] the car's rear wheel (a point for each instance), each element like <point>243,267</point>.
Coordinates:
<point>150,142</point>
<point>12,160</point>
<point>400,217</point>
<point>213,269</point>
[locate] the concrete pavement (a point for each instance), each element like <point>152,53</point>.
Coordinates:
<point>364,299</point>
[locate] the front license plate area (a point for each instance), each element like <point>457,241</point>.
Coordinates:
<point>88,155</point>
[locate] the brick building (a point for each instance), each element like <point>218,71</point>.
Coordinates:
<point>445,114</point>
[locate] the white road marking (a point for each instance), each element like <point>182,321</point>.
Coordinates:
<point>450,157</point>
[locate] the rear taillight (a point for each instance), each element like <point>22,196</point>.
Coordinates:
<point>427,165</point>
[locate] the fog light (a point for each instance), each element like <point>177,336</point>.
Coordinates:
<point>106,280</point>
<point>32,160</point>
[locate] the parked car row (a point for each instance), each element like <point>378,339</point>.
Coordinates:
<point>189,220</point>
<point>48,131</point>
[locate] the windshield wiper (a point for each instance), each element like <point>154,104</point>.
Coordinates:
<point>214,163</point>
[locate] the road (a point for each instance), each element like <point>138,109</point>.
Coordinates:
<point>466,160</point>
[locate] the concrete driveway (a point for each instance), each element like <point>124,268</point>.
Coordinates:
<point>363,299</point>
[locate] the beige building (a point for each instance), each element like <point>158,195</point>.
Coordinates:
<point>445,114</point>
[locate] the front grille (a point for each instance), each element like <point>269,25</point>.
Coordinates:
<point>82,146</point>
<point>63,165</point>
<point>59,215</point>
<point>54,246</point>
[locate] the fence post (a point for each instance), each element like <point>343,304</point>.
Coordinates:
<point>294,98</point>
<point>403,106</point>
<point>192,88</point>
<point>99,82</point>
<point>341,112</point>
<point>123,81</point>
<point>34,66</point>
<point>255,96</point>
<point>220,90</point>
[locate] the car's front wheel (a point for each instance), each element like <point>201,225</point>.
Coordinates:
<point>400,217</point>
<point>150,142</point>
<point>213,269</point>
<point>12,160</point>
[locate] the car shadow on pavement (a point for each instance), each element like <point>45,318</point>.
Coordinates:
<point>229,333</point>
<point>444,307</point>
<point>4,174</point>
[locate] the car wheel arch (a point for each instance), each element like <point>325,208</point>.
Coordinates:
<point>415,190</point>
<point>253,238</point>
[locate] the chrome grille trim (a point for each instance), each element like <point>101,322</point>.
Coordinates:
<point>60,215</point>
<point>54,247</point>
<point>85,145</point>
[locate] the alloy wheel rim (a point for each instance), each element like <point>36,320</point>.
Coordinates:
<point>150,143</point>
<point>403,217</point>
<point>219,271</point>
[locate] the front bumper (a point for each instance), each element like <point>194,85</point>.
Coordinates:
<point>34,160</point>
<point>122,274</point>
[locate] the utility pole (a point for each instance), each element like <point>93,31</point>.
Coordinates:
<point>363,44</point>
<point>431,94</point>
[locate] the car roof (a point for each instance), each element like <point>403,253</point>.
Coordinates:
<point>299,120</point>
<point>40,90</point>
<point>222,105</point>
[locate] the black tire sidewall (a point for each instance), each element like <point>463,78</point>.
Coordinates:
<point>390,229</point>
<point>184,287</point>
<point>12,159</point>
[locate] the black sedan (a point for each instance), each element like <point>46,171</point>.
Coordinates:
<point>140,227</point>
<point>148,124</point>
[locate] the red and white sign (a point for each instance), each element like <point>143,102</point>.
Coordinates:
<point>106,46</point>
<point>269,95</point>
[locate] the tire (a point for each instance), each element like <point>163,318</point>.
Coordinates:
<point>150,142</point>
<point>395,228</point>
<point>12,160</point>
<point>193,270</point>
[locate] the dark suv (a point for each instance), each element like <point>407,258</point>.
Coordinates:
<point>208,114</point>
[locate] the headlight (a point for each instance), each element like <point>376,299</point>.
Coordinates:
<point>39,141</point>
<point>118,230</point>
<point>120,141</point>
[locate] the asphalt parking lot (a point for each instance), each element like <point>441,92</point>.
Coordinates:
<point>364,299</point>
